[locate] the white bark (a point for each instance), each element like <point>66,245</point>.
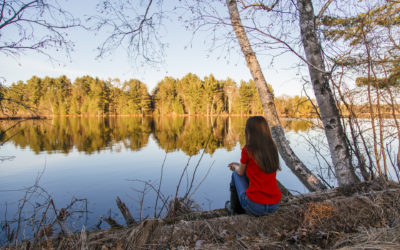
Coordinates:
<point>267,100</point>
<point>338,146</point>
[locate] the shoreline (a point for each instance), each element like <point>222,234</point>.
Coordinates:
<point>48,117</point>
<point>343,217</point>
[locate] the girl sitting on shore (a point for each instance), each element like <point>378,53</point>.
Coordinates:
<point>254,187</point>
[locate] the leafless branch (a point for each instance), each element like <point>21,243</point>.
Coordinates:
<point>40,25</point>
<point>138,33</point>
<point>159,184</point>
<point>260,5</point>
<point>38,211</point>
<point>323,9</point>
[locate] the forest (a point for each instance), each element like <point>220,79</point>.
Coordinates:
<point>189,95</point>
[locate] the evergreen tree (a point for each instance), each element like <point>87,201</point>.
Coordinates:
<point>80,95</point>
<point>166,99</point>
<point>212,94</point>
<point>230,92</point>
<point>34,90</point>
<point>245,97</point>
<point>190,89</point>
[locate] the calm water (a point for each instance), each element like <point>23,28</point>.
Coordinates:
<point>99,159</point>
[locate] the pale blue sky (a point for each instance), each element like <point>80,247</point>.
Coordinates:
<point>183,55</point>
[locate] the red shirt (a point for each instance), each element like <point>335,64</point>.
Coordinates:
<point>263,187</point>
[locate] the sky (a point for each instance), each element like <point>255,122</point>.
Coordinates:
<point>184,54</point>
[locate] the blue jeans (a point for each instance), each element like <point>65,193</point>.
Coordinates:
<point>242,183</point>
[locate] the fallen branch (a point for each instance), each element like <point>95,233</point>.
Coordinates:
<point>113,224</point>
<point>125,212</point>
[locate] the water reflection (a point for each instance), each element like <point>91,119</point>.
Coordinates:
<point>131,152</point>
<point>89,135</point>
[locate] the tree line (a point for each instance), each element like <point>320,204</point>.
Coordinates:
<point>189,95</point>
<point>86,95</point>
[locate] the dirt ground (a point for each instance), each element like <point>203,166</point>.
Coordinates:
<point>363,216</point>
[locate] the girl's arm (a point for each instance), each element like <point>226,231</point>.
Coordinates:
<point>239,167</point>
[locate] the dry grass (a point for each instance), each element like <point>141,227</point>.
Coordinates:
<point>374,238</point>
<point>365,217</point>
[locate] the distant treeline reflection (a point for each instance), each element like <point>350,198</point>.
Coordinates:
<point>189,134</point>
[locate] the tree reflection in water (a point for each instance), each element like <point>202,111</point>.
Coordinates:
<point>94,134</point>
<point>100,177</point>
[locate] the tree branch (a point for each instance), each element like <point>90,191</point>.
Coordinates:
<point>259,5</point>
<point>288,47</point>
<point>324,8</point>
<point>34,31</point>
<point>23,7</point>
<point>2,10</point>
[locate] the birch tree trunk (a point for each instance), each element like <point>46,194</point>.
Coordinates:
<point>291,160</point>
<point>338,146</point>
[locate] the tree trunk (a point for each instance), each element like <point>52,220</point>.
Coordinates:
<point>291,160</point>
<point>230,106</point>
<point>320,80</point>
<point>396,122</point>
<point>212,106</point>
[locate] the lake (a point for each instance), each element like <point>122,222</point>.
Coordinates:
<point>98,159</point>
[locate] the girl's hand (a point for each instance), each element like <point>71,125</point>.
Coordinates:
<point>238,167</point>
<point>233,166</point>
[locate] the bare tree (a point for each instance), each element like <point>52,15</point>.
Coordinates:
<point>132,31</point>
<point>275,32</point>
<point>367,35</point>
<point>291,159</point>
<point>330,117</point>
<point>36,25</point>
<point>135,26</point>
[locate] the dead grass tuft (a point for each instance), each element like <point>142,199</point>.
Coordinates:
<point>373,238</point>
<point>180,206</point>
<point>318,212</point>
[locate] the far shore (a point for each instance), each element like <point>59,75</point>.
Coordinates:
<point>45,117</point>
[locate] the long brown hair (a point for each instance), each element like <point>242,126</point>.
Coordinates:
<point>260,144</point>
